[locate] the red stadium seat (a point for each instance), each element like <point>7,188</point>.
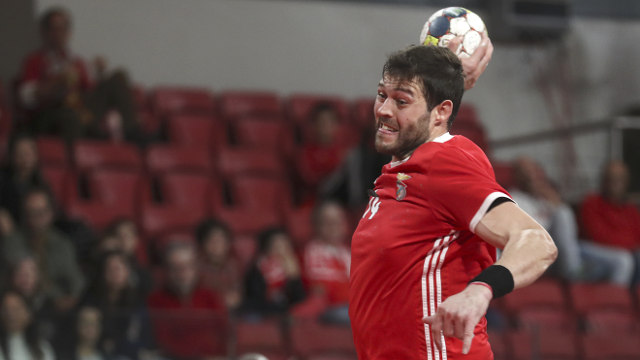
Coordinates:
<point>260,337</point>
<point>203,132</point>
<point>272,135</point>
<point>162,219</point>
<point>298,223</point>
<point>300,107</point>
<point>547,345</point>
<point>546,319</point>
<point>235,104</point>
<point>112,195</point>
<point>363,115</point>
<point>311,339</point>
<point>89,155</point>
<point>596,297</point>
<point>258,192</point>
<point>249,222</point>
<point>249,161</point>
<point>167,158</point>
<point>611,346</point>
<point>52,151</point>
<point>543,294</point>
<point>59,179</point>
<point>188,192</point>
<point>610,321</point>
<point>167,100</point>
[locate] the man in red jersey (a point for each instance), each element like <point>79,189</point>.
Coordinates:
<point>424,267</point>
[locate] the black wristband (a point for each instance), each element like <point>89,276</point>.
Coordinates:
<point>498,277</point>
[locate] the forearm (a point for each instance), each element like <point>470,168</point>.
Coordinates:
<point>527,254</point>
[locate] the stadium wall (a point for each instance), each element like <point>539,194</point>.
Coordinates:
<point>338,48</point>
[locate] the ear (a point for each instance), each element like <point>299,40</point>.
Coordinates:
<point>440,114</point>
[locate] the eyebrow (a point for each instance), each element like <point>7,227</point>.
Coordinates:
<point>399,88</point>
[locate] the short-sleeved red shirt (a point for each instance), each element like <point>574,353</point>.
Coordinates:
<point>415,246</point>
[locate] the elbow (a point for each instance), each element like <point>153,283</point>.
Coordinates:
<point>551,250</point>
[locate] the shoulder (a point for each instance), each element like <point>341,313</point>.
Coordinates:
<point>592,200</point>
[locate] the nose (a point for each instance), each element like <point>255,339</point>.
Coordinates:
<point>384,109</point>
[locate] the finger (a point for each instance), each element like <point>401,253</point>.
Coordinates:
<point>454,43</point>
<point>468,336</point>
<point>459,329</point>
<point>436,329</point>
<point>428,319</point>
<point>484,61</point>
<point>437,338</point>
<point>448,326</point>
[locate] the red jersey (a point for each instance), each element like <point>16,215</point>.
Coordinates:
<point>415,246</point>
<point>327,265</point>
<point>611,224</point>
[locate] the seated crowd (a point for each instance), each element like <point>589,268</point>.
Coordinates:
<point>72,292</point>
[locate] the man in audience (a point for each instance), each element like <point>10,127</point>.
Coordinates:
<point>327,260</point>
<point>188,319</point>
<point>610,221</point>
<point>322,151</point>
<point>60,98</point>
<point>53,251</point>
<point>537,196</point>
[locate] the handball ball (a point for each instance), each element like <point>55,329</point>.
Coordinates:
<point>446,24</point>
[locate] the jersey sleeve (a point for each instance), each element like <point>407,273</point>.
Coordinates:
<point>462,188</point>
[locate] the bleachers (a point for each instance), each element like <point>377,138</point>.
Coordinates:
<point>227,157</point>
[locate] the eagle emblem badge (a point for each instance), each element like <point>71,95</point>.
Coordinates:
<point>401,187</point>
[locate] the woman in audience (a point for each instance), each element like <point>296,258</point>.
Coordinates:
<point>273,282</point>
<point>20,173</point>
<point>19,338</point>
<point>25,280</point>
<point>219,266</point>
<point>126,327</point>
<point>88,331</point>
<point>127,240</point>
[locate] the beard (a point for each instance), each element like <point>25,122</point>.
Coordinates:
<point>407,139</point>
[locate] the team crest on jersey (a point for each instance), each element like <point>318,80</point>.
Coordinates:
<point>401,187</point>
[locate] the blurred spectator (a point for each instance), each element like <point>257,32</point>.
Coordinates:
<point>273,282</point>
<point>189,321</point>
<point>20,173</point>
<point>322,151</point>
<point>327,260</point>
<point>24,280</point>
<point>218,265</point>
<point>361,167</point>
<point>126,238</point>
<point>537,196</point>
<point>19,338</point>
<point>88,330</point>
<point>610,221</point>
<point>126,329</point>
<point>56,90</point>
<point>53,251</point>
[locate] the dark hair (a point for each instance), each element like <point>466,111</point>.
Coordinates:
<point>207,226</point>
<point>437,69</point>
<point>112,228</point>
<point>266,237</point>
<point>31,334</point>
<point>45,18</point>
<point>321,107</point>
<point>97,294</point>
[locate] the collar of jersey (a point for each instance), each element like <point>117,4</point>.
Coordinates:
<point>440,139</point>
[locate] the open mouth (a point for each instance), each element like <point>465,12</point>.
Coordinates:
<point>386,128</point>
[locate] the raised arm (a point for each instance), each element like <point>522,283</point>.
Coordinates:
<point>528,251</point>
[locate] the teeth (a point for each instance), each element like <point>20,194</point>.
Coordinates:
<point>385,127</point>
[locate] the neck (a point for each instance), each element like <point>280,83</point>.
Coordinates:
<point>433,134</point>
<point>86,347</point>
